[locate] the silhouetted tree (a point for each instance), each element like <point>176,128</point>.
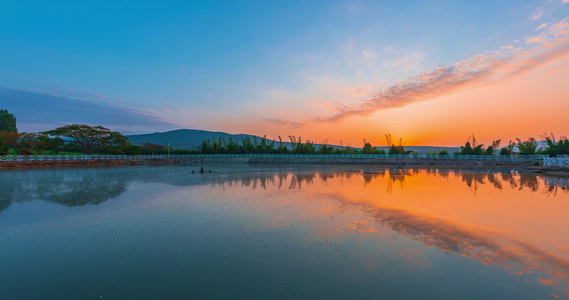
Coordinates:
<point>527,147</point>
<point>89,138</point>
<point>7,121</point>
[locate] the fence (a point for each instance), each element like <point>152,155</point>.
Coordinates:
<point>7,158</point>
<point>75,157</point>
<point>559,161</point>
<point>560,182</point>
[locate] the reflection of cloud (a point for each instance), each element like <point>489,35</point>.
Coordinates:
<point>53,111</point>
<point>485,247</point>
<point>502,63</point>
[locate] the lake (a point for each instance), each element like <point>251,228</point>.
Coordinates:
<point>279,232</point>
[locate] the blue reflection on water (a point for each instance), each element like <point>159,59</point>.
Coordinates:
<point>161,232</point>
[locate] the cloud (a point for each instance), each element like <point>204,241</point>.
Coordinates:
<point>406,60</point>
<point>537,14</point>
<point>360,90</point>
<point>51,111</point>
<point>534,39</point>
<point>542,25</point>
<point>284,123</point>
<point>565,1</point>
<point>499,64</point>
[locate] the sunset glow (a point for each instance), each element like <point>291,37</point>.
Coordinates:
<point>431,73</point>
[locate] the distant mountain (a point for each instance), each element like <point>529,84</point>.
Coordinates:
<point>191,139</point>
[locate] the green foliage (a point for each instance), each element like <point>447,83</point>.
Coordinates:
<point>443,152</point>
<point>556,147</point>
<point>472,148</point>
<point>508,149</point>
<point>527,147</point>
<point>367,147</point>
<point>22,143</point>
<point>153,149</point>
<point>492,148</point>
<point>91,138</point>
<point>4,149</point>
<point>48,144</point>
<point>249,145</point>
<point>7,121</point>
<point>393,148</point>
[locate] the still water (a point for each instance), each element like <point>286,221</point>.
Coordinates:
<point>282,233</point>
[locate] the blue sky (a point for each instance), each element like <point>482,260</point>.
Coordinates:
<point>233,65</point>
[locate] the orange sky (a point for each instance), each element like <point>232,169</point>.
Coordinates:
<point>517,91</point>
<point>519,106</point>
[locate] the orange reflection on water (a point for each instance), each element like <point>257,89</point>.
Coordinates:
<point>504,219</point>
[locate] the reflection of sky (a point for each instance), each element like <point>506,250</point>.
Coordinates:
<point>371,231</point>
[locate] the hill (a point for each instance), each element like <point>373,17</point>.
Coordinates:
<point>191,139</point>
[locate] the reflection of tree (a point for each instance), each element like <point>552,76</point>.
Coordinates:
<point>495,181</point>
<point>6,195</point>
<point>66,187</point>
<point>472,179</point>
<point>508,177</point>
<point>88,189</point>
<point>443,173</point>
<point>529,181</point>
<point>297,180</point>
<point>369,176</point>
<point>397,177</point>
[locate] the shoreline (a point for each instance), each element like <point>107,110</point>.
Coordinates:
<point>57,164</point>
<point>524,167</point>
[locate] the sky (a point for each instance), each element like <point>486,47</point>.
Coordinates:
<point>429,72</point>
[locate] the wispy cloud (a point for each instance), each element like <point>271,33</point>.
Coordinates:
<point>284,123</point>
<point>542,25</point>
<point>443,80</point>
<point>537,14</point>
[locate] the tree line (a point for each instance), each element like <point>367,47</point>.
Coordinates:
<point>75,138</point>
<point>85,139</point>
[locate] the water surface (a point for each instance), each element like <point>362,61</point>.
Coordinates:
<point>266,232</point>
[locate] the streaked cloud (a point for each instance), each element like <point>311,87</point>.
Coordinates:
<point>284,123</point>
<point>542,26</point>
<point>537,14</point>
<point>443,80</point>
<point>39,112</point>
<point>534,39</point>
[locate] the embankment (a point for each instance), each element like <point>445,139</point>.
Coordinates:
<point>7,165</point>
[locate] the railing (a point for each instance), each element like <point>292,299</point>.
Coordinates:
<point>560,182</point>
<point>295,156</point>
<point>559,161</point>
<point>75,157</point>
